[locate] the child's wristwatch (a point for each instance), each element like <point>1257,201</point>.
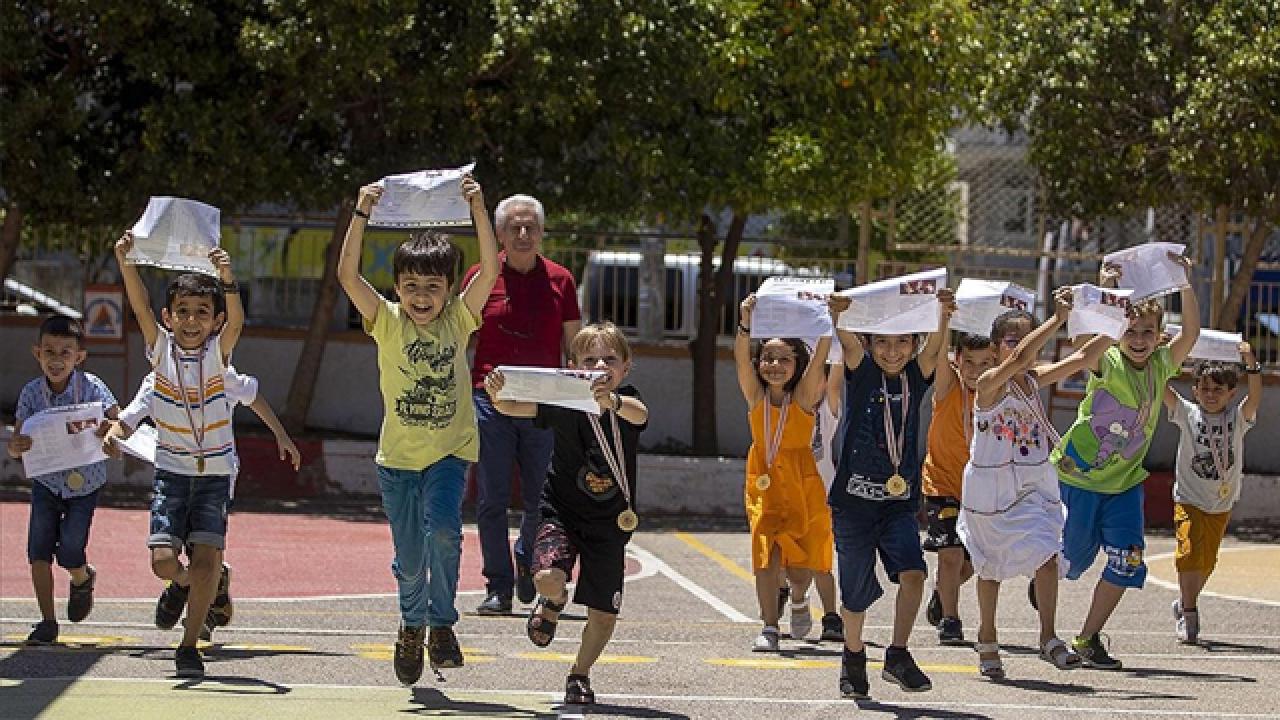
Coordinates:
<point>1254,369</point>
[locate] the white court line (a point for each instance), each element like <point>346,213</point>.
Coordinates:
<point>809,702</point>
<point>694,589</point>
<point>1174,586</point>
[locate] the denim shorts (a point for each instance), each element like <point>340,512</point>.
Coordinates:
<point>860,536</point>
<point>189,510</point>
<point>59,526</point>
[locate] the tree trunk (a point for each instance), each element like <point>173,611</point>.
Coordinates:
<point>864,244</point>
<point>1243,278</point>
<point>307,370</point>
<point>715,287</point>
<point>10,235</point>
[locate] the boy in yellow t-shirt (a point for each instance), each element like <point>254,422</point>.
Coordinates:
<point>429,428</point>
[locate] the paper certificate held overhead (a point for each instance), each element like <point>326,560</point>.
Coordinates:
<point>980,302</point>
<point>176,234</point>
<point>427,198</point>
<point>1212,344</point>
<point>62,438</point>
<point>897,306</point>
<point>552,386</point>
<point>792,307</point>
<point>1148,271</point>
<point>141,444</point>
<point>1098,311</point>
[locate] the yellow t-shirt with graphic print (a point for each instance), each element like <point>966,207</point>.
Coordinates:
<point>425,383</point>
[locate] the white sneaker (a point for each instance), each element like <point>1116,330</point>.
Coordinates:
<point>766,641</point>
<point>1189,628</point>
<point>801,620</point>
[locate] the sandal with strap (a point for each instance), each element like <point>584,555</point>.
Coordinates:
<point>577,691</point>
<point>540,630</point>
<point>1056,653</point>
<point>989,667</point>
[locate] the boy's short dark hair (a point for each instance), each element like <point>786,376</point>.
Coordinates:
<point>1220,372</point>
<point>61,326</point>
<point>1004,323</point>
<point>196,285</point>
<point>427,252</point>
<point>972,342</point>
<point>798,346</point>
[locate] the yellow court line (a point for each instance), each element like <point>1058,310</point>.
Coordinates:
<point>723,561</point>
<point>604,659</point>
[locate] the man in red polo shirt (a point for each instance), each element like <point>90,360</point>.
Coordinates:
<point>529,319</point>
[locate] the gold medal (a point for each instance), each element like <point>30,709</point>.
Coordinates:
<point>200,465</point>
<point>896,486</point>
<point>628,520</point>
<point>763,482</point>
<point>75,480</point>
<point>1224,490</point>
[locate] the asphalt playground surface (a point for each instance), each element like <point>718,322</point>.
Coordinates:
<point>315,619</point>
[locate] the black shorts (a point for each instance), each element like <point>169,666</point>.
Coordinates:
<point>601,557</point>
<point>942,513</point>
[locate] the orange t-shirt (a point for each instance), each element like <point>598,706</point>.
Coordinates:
<point>948,443</point>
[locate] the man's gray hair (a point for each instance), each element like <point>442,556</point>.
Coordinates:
<point>506,206</point>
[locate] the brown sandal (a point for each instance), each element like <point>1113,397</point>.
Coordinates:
<point>540,630</point>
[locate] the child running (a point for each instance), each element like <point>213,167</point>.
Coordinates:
<point>428,427</point>
<point>62,503</point>
<point>1208,473</point>
<point>195,449</point>
<point>588,500</point>
<point>947,451</point>
<point>1011,514</point>
<point>1099,459</point>
<point>789,519</point>
<point>877,492</point>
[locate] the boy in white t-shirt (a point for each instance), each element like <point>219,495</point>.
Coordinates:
<point>1208,473</point>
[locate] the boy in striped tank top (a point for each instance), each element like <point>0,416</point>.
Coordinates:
<point>195,449</point>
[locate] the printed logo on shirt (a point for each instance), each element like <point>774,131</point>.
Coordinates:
<point>599,486</point>
<point>432,400</point>
<point>868,489</point>
<point>1202,464</point>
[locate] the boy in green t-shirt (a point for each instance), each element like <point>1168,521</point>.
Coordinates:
<point>429,428</point>
<point>1100,457</point>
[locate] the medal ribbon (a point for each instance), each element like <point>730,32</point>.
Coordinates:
<point>773,441</point>
<point>895,443</point>
<point>1032,401</point>
<point>613,454</point>
<point>197,435</point>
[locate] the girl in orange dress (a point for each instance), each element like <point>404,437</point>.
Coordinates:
<point>785,499</point>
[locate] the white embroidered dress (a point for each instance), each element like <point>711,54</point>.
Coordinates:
<point>1011,514</point>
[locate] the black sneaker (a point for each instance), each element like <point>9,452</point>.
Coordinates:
<point>170,605</point>
<point>408,655</point>
<point>80,597</point>
<point>832,628</point>
<point>853,675</point>
<point>44,632</point>
<point>1031,595</point>
<point>951,631</point>
<point>525,590</point>
<point>188,661</point>
<point>495,604</point>
<point>221,611</point>
<point>442,648</point>
<point>933,611</point>
<point>901,668</point>
<point>1094,653</point>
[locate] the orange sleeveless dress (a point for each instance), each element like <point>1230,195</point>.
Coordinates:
<point>792,513</point>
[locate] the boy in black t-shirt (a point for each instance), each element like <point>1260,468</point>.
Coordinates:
<point>588,500</point>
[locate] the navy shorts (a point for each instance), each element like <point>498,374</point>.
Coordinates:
<point>942,512</point>
<point>860,536</point>
<point>189,510</point>
<point>59,527</point>
<point>1111,523</point>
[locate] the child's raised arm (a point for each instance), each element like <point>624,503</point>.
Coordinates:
<point>1180,346</point>
<point>1085,358</point>
<point>937,343</point>
<point>1253,370</point>
<point>748,381</point>
<point>813,384</point>
<point>835,390</point>
<point>234,323</point>
<point>1024,356</point>
<point>363,296</point>
<point>1171,398</point>
<point>476,294</point>
<point>850,343</point>
<point>493,383</point>
<point>139,299</point>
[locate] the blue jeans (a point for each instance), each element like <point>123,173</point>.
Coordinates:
<point>189,510</point>
<point>59,526</point>
<point>424,508</point>
<point>504,443</point>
